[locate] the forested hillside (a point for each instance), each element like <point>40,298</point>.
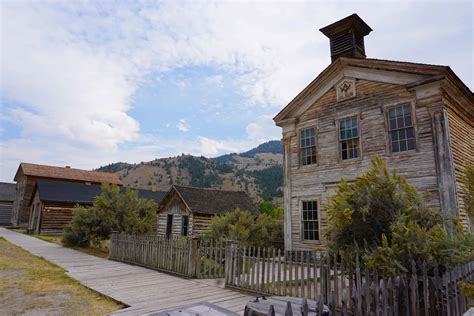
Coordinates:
<point>258,172</point>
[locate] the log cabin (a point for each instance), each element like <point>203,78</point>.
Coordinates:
<point>7,196</point>
<point>187,211</point>
<point>418,117</point>
<point>53,202</point>
<point>27,175</point>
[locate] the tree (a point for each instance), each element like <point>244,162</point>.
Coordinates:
<point>242,226</point>
<point>113,210</point>
<point>384,220</point>
<point>271,210</point>
<point>469,200</point>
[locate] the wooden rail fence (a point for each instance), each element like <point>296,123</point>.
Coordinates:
<point>186,257</point>
<point>346,290</point>
<point>154,252</point>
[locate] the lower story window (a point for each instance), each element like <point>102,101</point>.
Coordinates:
<point>310,220</point>
<point>169,225</point>
<point>184,226</point>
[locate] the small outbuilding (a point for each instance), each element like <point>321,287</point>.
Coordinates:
<point>187,211</point>
<point>53,203</point>
<point>7,196</point>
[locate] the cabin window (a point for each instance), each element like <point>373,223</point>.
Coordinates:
<point>349,138</point>
<point>308,146</point>
<point>400,128</point>
<point>184,225</point>
<point>310,220</point>
<point>169,225</point>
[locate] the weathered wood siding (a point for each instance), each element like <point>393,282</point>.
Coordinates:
<point>174,206</point>
<point>54,218</point>
<point>21,208</point>
<point>461,137</point>
<point>5,212</point>
<point>318,182</point>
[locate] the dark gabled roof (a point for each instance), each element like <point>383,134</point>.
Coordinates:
<point>7,191</point>
<point>211,201</point>
<point>65,173</point>
<point>80,193</point>
<point>157,196</point>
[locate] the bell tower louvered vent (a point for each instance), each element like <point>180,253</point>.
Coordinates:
<point>346,37</point>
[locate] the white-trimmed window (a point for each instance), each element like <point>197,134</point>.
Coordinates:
<point>400,128</point>
<point>349,138</point>
<point>308,146</point>
<point>310,220</point>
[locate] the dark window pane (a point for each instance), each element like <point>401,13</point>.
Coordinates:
<point>393,136</point>
<point>391,113</point>
<point>408,120</point>
<point>395,147</point>
<point>410,144</point>
<point>400,122</point>
<point>403,145</point>
<point>393,124</point>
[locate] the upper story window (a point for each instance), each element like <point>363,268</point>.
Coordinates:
<point>308,146</point>
<point>349,138</point>
<point>310,220</point>
<point>400,128</point>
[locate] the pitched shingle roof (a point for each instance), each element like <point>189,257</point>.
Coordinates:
<point>81,193</point>
<point>211,201</point>
<point>52,172</point>
<point>7,191</point>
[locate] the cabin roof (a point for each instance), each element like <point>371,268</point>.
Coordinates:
<point>65,173</point>
<point>7,191</point>
<point>213,202</point>
<point>430,72</point>
<point>81,193</point>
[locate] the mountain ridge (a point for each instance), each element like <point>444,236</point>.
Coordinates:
<point>258,172</point>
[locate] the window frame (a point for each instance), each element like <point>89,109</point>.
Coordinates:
<point>300,130</point>
<point>183,217</point>
<point>339,141</point>
<point>318,203</point>
<point>387,126</point>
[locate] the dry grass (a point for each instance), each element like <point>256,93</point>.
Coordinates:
<point>32,285</point>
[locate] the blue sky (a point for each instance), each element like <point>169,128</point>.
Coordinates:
<point>86,83</point>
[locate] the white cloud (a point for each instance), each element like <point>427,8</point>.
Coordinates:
<point>182,126</point>
<point>70,69</point>
<point>213,147</point>
<point>263,129</point>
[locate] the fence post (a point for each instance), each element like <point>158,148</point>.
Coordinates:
<point>193,257</point>
<point>230,257</point>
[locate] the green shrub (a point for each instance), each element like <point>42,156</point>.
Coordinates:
<point>469,199</point>
<point>383,220</point>
<point>123,212</point>
<point>271,210</point>
<point>242,226</point>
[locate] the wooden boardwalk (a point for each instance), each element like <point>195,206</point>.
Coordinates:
<point>142,289</point>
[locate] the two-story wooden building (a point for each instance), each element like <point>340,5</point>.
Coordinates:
<point>418,117</point>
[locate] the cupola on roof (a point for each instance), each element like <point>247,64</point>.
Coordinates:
<point>346,37</point>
